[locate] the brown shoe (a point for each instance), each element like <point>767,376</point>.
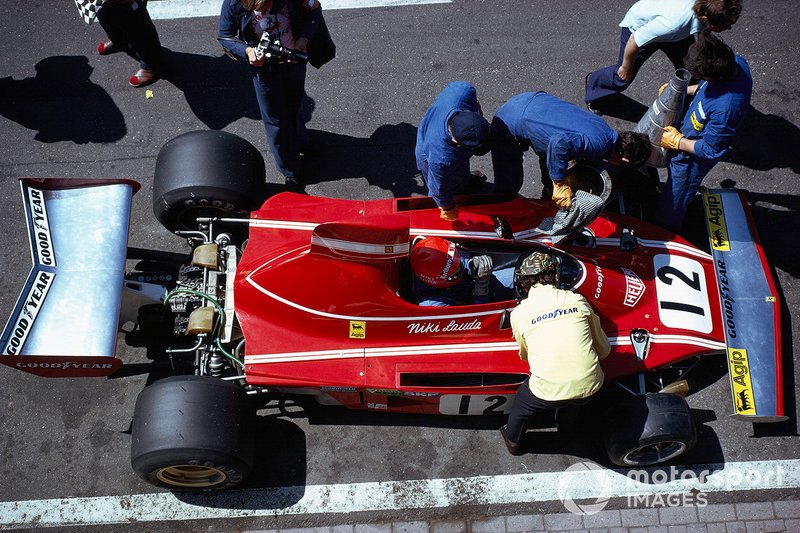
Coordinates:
<point>513,447</point>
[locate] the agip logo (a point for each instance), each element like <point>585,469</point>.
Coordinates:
<point>717,228</point>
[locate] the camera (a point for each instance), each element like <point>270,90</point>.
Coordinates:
<point>273,49</point>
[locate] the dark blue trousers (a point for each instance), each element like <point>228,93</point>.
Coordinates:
<point>130,27</point>
<point>684,177</point>
<point>280,89</point>
<point>526,404</point>
<point>605,82</point>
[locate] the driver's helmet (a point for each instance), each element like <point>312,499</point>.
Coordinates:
<point>436,262</point>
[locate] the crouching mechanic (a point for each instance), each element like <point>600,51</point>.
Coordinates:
<point>559,336</point>
<point>447,274</point>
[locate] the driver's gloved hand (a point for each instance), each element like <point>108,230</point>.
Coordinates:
<point>481,270</point>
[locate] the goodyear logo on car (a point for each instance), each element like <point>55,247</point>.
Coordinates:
<point>717,229</point>
<point>741,383</point>
<point>358,329</point>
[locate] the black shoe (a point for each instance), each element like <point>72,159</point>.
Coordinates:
<point>590,105</point>
<point>513,447</point>
<point>294,184</point>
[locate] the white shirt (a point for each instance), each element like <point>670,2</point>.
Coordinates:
<point>661,21</point>
<point>278,26</point>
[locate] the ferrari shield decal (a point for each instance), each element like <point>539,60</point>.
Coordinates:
<point>30,306</point>
<point>741,383</point>
<point>358,329</point>
<point>717,228</point>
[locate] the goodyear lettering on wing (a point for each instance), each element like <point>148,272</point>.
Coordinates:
<point>358,329</point>
<point>31,306</point>
<point>40,229</point>
<point>634,287</point>
<point>717,228</point>
<point>741,383</point>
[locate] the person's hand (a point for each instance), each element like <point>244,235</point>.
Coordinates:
<point>624,72</point>
<point>562,194</point>
<point>671,138</point>
<point>252,58</point>
<point>448,214</point>
<point>481,268</point>
<point>301,44</point>
<point>661,89</point>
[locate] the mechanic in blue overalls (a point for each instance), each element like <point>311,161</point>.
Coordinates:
<point>451,132</point>
<point>447,274</point>
<point>558,132</point>
<point>721,100</point>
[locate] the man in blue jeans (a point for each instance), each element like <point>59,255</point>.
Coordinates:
<point>279,82</point>
<point>721,100</point>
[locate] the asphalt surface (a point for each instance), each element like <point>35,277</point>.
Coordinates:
<point>67,112</point>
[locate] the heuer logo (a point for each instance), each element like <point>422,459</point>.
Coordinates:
<point>634,288</point>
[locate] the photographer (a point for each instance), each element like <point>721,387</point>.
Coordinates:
<point>278,80</point>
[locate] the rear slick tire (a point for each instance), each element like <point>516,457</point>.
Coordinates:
<point>192,434</point>
<point>206,174</point>
<point>650,429</point>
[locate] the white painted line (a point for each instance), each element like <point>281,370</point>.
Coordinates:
<point>584,483</point>
<point>178,9</point>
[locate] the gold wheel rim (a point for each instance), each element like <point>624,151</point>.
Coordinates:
<point>191,476</point>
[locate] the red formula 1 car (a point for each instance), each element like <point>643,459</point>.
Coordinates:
<point>312,296</point>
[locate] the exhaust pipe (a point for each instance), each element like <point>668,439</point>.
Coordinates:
<point>664,112</point>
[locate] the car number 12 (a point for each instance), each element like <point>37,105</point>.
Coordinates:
<point>475,404</point>
<point>682,293</point>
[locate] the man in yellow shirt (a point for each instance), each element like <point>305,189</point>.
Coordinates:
<point>559,335</point>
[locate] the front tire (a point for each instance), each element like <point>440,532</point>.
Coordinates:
<point>206,174</point>
<point>649,430</point>
<point>192,433</point>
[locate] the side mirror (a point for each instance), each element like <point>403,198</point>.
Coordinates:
<point>503,229</point>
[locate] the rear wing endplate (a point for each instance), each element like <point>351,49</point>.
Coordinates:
<point>750,308</point>
<point>64,323</point>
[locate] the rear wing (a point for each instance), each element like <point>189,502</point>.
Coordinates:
<point>750,308</point>
<point>64,323</point>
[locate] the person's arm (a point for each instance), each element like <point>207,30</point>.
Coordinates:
<point>625,71</point>
<point>312,13</point>
<point>600,340</point>
<point>561,149</point>
<point>228,35</point>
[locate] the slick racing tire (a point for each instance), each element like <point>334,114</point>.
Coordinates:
<point>192,433</point>
<point>206,174</point>
<point>650,429</point>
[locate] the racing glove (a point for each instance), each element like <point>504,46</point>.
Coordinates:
<point>449,214</point>
<point>671,138</point>
<point>481,268</point>
<point>562,194</point>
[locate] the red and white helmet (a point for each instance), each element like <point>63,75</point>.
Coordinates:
<point>436,262</point>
